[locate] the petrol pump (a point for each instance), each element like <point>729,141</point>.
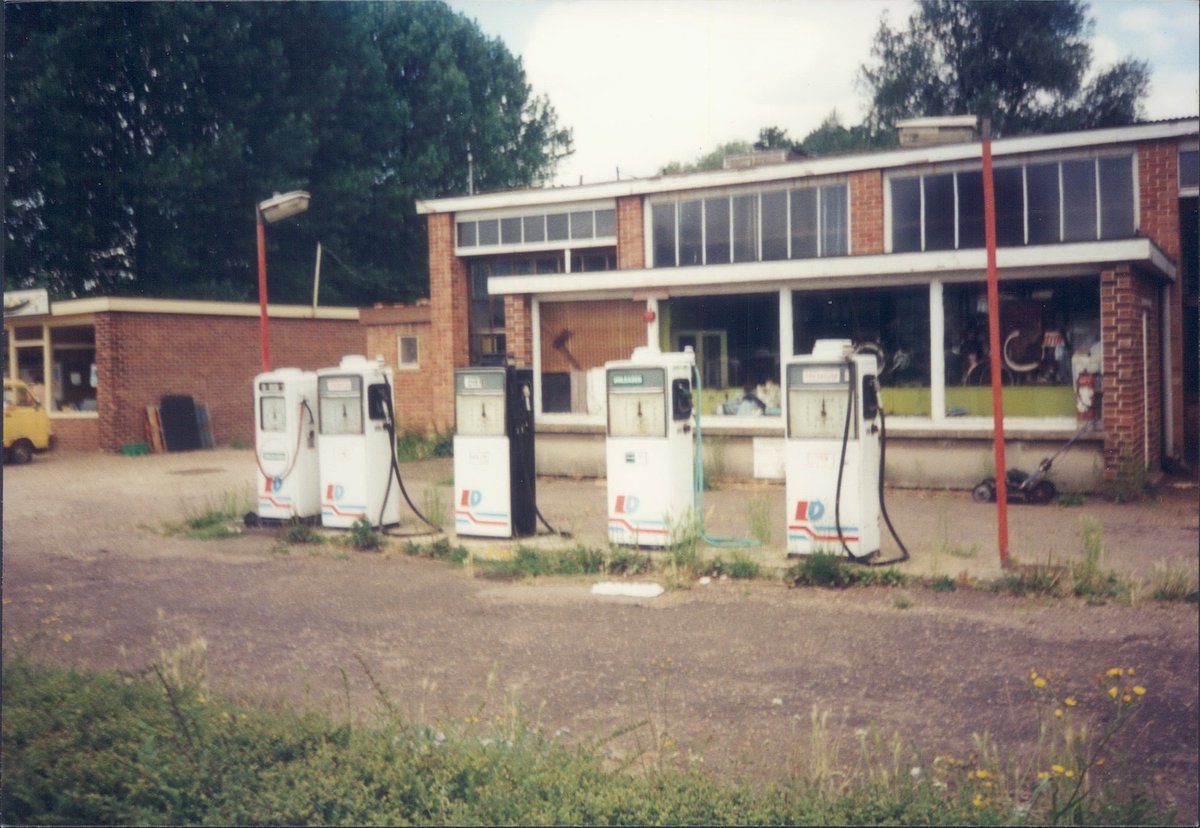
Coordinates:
<point>495,482</point>
<point>285,444</point>
<point>833,452</point>
<point>650,446</point>
<point>356,444</point>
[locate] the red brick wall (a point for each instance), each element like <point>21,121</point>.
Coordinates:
<point>518,329</point>
<point>76,434</point>
<point>449,346</point>
<point>1158,188</point>
<point>214,359</point>
<point>410,387</point>
<point>866,212</point>
<point>1124,296</point>
<point>631,233</point>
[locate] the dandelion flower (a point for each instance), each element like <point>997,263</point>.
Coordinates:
<point>1127,698</point>
<point>1057,768</point>
<point>1139,690</point>
<point>982,774</point>
<point>1100,761</point>
<point>1032,675</point>
<point>1043,775</point>
<point>1129,672</point>
<point>1039,682</point>
<point>1112,691</point>
<point>1070,702</point>
<point>67,636</point>
<point>1070,774</point>
<point>1058,714</point>
<point>977,801</point>
<point>1115,671</point>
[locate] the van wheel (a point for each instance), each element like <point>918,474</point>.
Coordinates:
<point>21,452</point>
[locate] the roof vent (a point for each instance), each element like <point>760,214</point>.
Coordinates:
<point>925,132</point>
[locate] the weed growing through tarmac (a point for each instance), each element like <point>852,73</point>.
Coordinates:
<point>364,536</point>
<point>1173,582</point>
<point>218,517</point>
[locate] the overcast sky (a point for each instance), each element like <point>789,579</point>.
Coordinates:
<point>646,82</point>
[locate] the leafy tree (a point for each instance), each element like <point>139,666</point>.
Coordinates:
<point>714,160</point>
<point>773,137</point>
<point>1022,64</point>
<point>831,137</point>
<point>139,137</point>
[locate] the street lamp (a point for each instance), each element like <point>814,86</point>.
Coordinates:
<point>274,209</point>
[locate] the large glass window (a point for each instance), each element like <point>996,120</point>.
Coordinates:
<point>771,225</point>
<point>892,323</point>
<point>73,381</point>
<point>538,228</point>
<point>736,342</point>
<point>1043,203</point>
<point>1049,335</point>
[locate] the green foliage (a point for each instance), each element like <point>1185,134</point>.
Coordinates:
<point>1129,483</point>
<point>413,444</point>
<point>166,138</point>
<point>623,560</point>
<point>1069,499</point>
<point>820,569</point>
<point>298,532</point>
<point>219,517</point>
<point>1033,580</point>
<point>85,748</point>
<point>1173,582</point>
<point>364,536</point>
<point>1090,580</point>
<point>1021,64</point>
<point>942,583</point>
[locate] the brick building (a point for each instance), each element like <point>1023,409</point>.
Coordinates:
<point>749,265</point>
<point>97,363</point>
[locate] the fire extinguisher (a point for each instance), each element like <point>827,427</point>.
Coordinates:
<point>1085,396</point>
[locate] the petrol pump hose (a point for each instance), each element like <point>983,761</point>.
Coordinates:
<point>395,471</point>
<point>837,502</point>
<point>295,453</point>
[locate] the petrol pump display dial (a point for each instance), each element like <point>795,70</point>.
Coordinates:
<point>817,401</point>
<point>480,415</point>
<point>274,413</point>
<point>637,414</point>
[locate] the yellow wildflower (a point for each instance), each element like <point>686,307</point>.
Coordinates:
<point>1115,671</point>
<point>982,774</point>
<point>1127,698</point>
<point>1039,682</point>
<point>1139,690</point>
<point>1057,768</point>
<point>1070,702</point>
<point>1100,761</point>
<point>1112,691</point>
<point>1043,775</point>
<point>977,801</point>
<point>1032,675</point>
<point>1070,774</point>
<point>1129,672</point>
<point>1058,714</point>
<point>67,636</point>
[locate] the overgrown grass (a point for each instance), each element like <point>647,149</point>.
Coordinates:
<point>220,516</point>
<point>83,748</point>
<point>1173,582</point>
<point>825,569</point>
<point>413,444</point>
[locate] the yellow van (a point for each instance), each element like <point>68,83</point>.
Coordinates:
<point>26,424</point>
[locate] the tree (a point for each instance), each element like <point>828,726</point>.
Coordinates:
<point>831,137</point>
<point>714,160</point>
<point>139,137</point>
<point>1022,64</point>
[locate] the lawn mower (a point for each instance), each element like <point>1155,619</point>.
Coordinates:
<point>1029,488</point>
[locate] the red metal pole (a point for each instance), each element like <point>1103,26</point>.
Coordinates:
<point>993,293</point>
<point>262,290</point>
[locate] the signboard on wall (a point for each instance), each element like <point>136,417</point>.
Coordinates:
<point>34,302</point>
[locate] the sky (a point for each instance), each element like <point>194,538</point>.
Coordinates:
<point>643,83</point>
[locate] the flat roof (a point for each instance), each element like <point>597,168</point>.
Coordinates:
<point>195,307</point>
<point>812,167</point>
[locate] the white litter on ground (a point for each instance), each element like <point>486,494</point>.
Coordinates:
<point>643,590</point>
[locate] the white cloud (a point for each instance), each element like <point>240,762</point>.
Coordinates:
<point>647,83</point>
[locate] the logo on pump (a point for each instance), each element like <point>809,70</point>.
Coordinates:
<point>809,510</point>
<point>471,497</point>
<point>627,504</point>
<point>334,492</point>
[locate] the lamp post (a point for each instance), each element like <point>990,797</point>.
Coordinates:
<point>274,209</point>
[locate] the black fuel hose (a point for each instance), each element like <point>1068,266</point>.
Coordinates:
<point>395,471</point>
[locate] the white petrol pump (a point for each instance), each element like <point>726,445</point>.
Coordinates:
<point>495,481</point>
<point>834,453</point>
<point>356,443</point>
<point>285,444</point>
<point>650,446</point>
